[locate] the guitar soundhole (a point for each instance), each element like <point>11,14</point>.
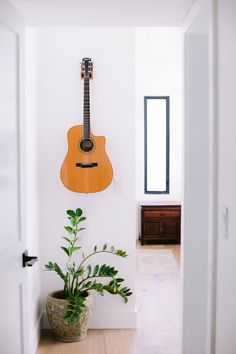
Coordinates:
<point>86,145</point>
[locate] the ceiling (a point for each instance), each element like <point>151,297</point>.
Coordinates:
<point>92,13</point>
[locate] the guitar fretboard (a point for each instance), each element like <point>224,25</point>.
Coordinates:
<point>86,109</point>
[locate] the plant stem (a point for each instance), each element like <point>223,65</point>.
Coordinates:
<point>90,255</point>
<point>93,276</point>
<point>71,283</point>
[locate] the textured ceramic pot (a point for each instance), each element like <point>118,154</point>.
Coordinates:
<point>63,330</point>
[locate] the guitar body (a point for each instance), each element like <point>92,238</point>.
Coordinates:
<point>86,168</point>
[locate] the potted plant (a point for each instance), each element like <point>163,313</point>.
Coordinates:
<point>69,309</point>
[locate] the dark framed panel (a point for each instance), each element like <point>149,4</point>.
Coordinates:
<point>156,144</point>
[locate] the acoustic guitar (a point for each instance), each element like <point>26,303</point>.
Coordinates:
<point>86,168</point>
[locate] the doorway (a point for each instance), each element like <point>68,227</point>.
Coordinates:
<point>159,73</point>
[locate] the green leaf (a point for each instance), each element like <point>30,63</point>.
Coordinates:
<point>129,293</point>
<point>125,299</point>
<point>112,283</point>
<point>71,269</point>
<point>89,268</point>
<point>112,272</point>
<point>73,249</point>
<point>96,269</point>
<point>107,271</point>
<point>66,250</point>
<point>123,290</point>
<point>81,228</point>
<point>67,239</point>
<point>97,287</point>
<point>78,212</point>
<point>95,249</point>
<point>68,229</point>
<point>82,219</point>
<point>119,280</point>
<point>87,285</point>
<point>102,270</point>
<point>80,301</point>
<point>104,247</point>
<point>71,213</point>
<point>73,221</point>
<point>109,289</point>
<point>121,253</point>
<point>58,270</point>
<point>112,249</point>
<point>74,308</point>
<point>49,266</point>
<point>113,288</point>
<point>79,272</point>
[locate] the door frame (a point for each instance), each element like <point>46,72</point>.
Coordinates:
<point>213,170</point>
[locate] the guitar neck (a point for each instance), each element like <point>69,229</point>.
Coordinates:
<point>86,108</point>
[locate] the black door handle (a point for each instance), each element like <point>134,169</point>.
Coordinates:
<point>28,261</point>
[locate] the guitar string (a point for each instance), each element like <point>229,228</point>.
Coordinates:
<point>86,108</point>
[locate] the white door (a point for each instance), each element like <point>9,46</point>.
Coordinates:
<point>12,240</point>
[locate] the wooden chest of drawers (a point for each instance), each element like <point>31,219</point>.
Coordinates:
<point>160,223</point>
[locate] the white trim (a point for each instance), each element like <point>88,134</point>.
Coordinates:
<point>11,17</point>
<point>183,198</point>
<point>213,169</point>
<point>213,181</point>
<point>35,337</point>
<point>193,13</point>
<point>115,320</point>
<point>105,320</point>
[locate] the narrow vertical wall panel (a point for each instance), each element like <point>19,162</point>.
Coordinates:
<point>196,193</point>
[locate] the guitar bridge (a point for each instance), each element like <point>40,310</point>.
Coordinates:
<point>86,164</point>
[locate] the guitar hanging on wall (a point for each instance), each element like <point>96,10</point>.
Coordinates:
<point>86,168</point>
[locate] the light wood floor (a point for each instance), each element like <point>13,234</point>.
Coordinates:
<point>158,332</point>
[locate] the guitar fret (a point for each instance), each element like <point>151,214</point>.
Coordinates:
<point>86,109</point>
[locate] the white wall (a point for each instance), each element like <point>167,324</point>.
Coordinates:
<point>158,72</point>
<point>226,264</point>
<point>57,93</point>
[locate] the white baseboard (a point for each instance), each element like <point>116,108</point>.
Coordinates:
<point>106,320</point>
<point>35,337</point>
<point>113,320</point>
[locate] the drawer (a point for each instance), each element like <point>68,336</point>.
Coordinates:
<point>152,229</point>
<point>161,213</point>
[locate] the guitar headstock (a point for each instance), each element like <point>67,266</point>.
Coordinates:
<point>86,68</point>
